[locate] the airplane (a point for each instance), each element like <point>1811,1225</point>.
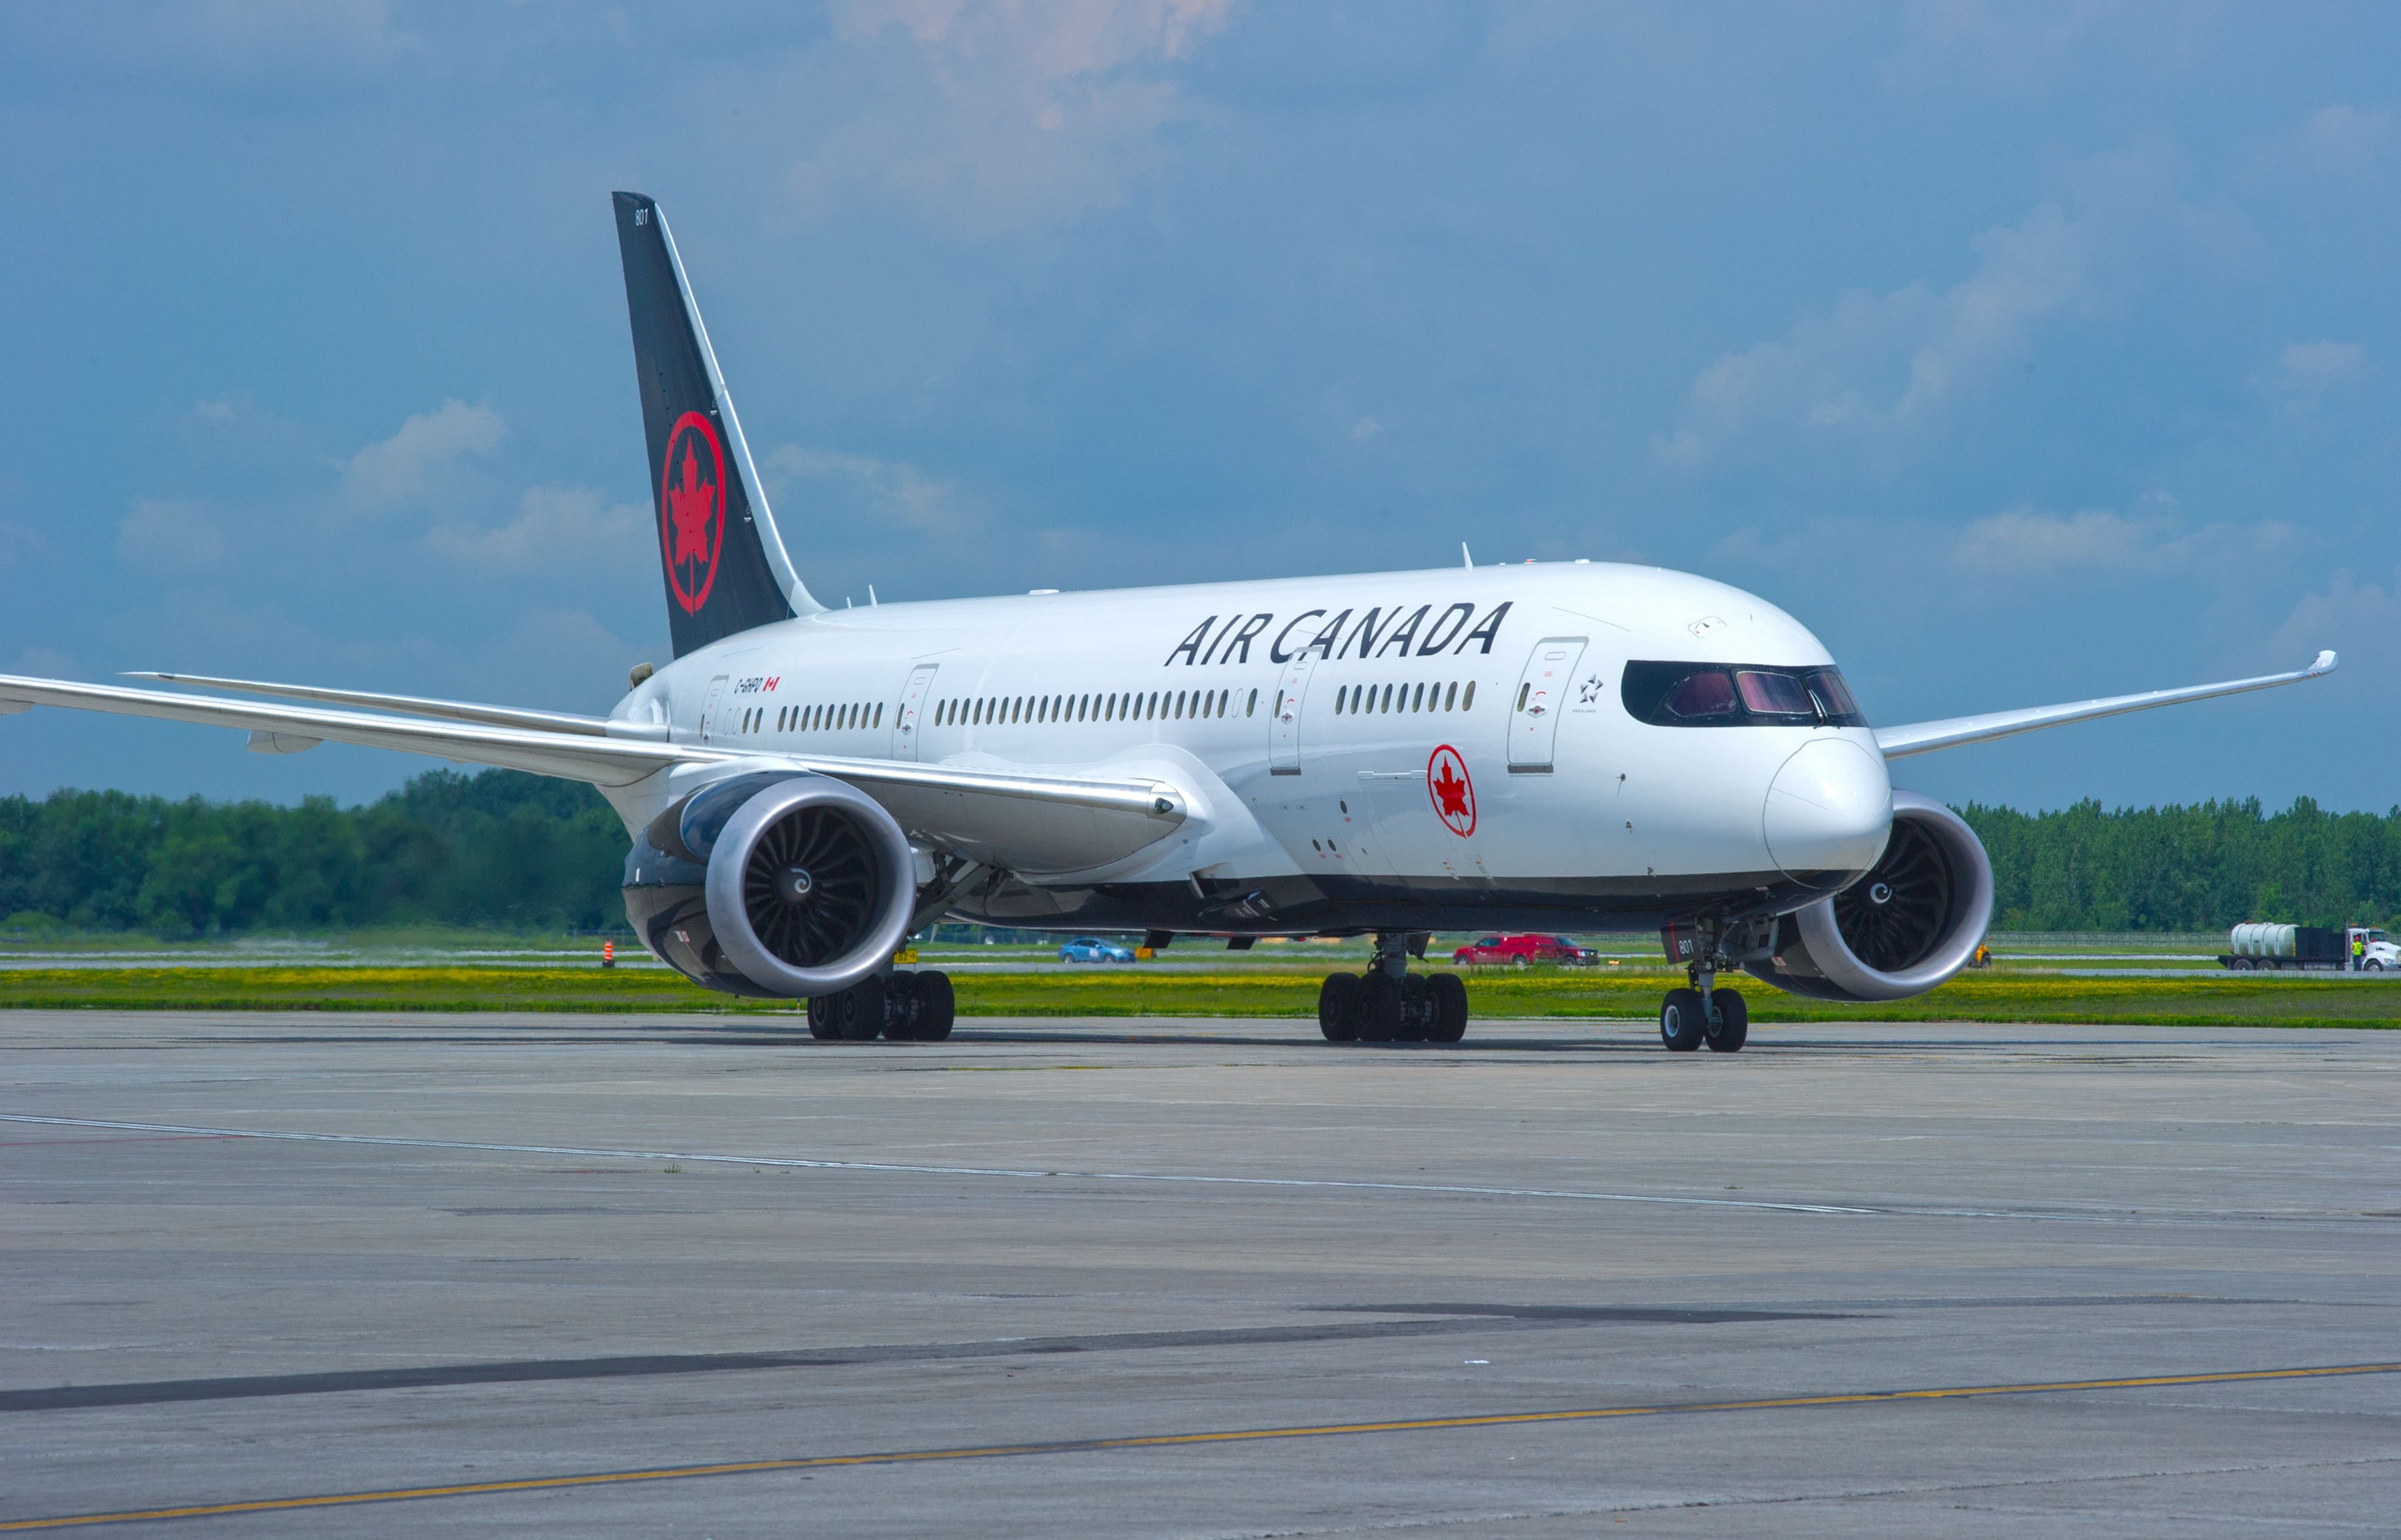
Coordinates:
<point>1561,745</point>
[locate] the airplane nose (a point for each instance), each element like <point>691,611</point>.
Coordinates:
<point>1829,812</point>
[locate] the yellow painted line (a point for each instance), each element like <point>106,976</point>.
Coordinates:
<point>1166,1441</point>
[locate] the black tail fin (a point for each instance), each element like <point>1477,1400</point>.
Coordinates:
<point>725,567</point>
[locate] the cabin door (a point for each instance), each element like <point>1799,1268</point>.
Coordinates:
<point>907,729</point>
<point>1542,694</point>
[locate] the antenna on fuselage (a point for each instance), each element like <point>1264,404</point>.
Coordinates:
<point>1464,560</point>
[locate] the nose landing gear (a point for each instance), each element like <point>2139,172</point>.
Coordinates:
<point>1703,1012</point>
<point>1390,1004</point>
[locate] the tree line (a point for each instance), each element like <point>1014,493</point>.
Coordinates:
<point>2190,868</point>
<point>510,851</point>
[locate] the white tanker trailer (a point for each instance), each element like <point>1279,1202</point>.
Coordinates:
<point>2325,948</point>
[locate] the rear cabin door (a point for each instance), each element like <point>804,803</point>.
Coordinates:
<point>711,709</point>
<point>905,730</point>
<point>1284,726</point>
<point>1542,694</point>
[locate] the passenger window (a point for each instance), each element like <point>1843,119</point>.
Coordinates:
<point>1254,705</point>
<point>1467,697</point>
<point>1417,699</point>
<point>1450,696</point>
<point>879,714</point>
<point>1523,690</point>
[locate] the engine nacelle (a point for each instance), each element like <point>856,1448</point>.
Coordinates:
<point>1911,923</point>
<point>772,885</point>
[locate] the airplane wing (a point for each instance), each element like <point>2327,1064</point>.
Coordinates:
<point>1030,822</point>
<point>1924,737</point>
<point>421,705</point>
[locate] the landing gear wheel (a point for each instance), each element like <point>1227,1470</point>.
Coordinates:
<point>1338,1008</point>
<point>1416,1024</point>
<point>900,1008</point>
<point>821,1017</point>
<point>1380,1007</point>
<point>1449,997</point>
<point>1680,1021</point>
<point>936,1007</point>
<point>858,1011</point>
<point>1732,1029</point>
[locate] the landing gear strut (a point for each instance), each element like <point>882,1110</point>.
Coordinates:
<point>900,1007</point>
<point>1702,1013</point>
<point>1390,1004</point>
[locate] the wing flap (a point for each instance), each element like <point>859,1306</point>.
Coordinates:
<point>1924,737</point>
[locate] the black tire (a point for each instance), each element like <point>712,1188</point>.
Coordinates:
<point>1415,1023</point>
<point>1450,1008</point>
<point>1732,1029</point>
<point>861,1015</point>
<point>900,1008</point>
<point>938,1007</point>
<point>1380,1007</point>
<point>1337,1007</point>
<point>1680,1021</point>
<point>821,1017</point>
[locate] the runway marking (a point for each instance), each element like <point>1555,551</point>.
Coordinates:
<point>1477,1320</point>
<point>1171,1440</point>
<point>1027,1173</point>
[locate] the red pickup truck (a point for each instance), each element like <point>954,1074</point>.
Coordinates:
<point>1523,951</point>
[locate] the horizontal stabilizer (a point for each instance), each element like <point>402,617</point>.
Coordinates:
<point>1924,737</point>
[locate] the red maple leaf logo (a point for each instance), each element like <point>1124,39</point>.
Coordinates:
<point>689,507</point>
<point>1453,794</point>
<point>691,521</point>
<point>1450,795</point>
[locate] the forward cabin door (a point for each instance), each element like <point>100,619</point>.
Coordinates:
<point>1542,694</point>
<point>1284,726</point>
<point>905,730</point>
<point>709,708</point>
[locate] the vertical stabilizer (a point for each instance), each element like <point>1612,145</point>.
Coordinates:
<point>725,567</point>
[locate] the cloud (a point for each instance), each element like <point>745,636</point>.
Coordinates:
<point>169,536</point>
<point>2306,369</point>
<point>2027,540</point>
<point>1000,114</point>
<point>2346,140</point>
<point>864,489</point>
<point>2361,620</point>
<point>403,466</point>
<point>554,527</point>
<point>1879,367</point>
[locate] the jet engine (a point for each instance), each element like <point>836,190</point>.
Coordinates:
<point>772,885</point>
<point>1912,923</point>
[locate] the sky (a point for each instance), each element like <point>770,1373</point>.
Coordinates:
<point>2026,352</point>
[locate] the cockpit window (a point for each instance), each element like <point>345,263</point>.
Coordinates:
<point>1737,695</point>
<point>1706,694</point>
<point>1774,695</point>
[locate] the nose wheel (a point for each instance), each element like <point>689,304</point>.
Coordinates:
<point>1701,1014</point>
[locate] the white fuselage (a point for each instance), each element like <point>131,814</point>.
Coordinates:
<point>1446,746</point>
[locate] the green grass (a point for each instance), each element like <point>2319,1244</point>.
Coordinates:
<point>1256,992</point>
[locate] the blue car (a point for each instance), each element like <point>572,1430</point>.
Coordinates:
<point>1094,949</point>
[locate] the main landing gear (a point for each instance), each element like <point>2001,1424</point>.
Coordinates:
<point>1703,1012</point>
<point>899,1008</point>
<point>1389,1004</point>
